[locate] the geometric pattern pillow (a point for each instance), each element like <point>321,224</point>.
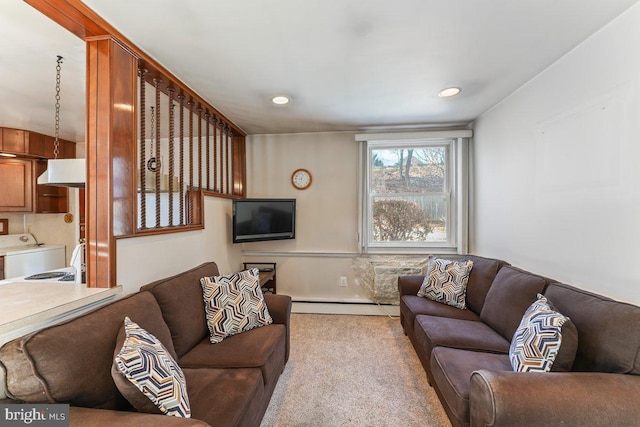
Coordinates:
<point>146,374</point>
<point>446,281</point>
<point>545,340</point>
<point>233,304</point>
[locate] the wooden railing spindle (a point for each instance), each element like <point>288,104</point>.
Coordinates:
<point>227,152</point>
<point>199,110</point>
<point>171,152</point>
<point>157,153</point>
<point>189,205</point>
<point>215,154</point>
<point>143,150</point>
<point>207,116</point>
<point>181,98</point>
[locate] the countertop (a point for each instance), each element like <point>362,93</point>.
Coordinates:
<point>27,305</point>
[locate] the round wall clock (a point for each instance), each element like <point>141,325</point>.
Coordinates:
<point>301,179</point>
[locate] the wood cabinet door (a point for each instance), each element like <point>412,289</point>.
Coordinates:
<point>16,185</point>
<point>37,144</point>
<point>13,141</point>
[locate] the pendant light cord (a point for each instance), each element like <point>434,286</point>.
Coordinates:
<point>56,142</point>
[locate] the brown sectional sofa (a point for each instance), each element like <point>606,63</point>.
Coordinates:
<point>465,352</point>
<point>228,384</point>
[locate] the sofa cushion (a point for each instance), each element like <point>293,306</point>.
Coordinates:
<point>412,305</point>
<point>226,397</point>
<point>433,331</point>
<point>233,304</point>
<point>512,292</point>
<point>609,336</point>
<point>262,348</point>
<point>482,274</point>
<point>446,281</point>
<point>146,374</point>
<point>452,369</point>
<point>65,363</point>
<point>180,298</point>
<point>545,340</point>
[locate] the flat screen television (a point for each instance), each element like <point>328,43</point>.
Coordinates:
<point>257,220</point>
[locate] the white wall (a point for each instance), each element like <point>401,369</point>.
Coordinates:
<point>144,259</point>
<point>310,266</point>
<point>557,182</point>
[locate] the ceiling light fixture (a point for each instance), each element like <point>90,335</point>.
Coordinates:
<point>62,172</point>
<point>280,100</point>
<point>450,91</point>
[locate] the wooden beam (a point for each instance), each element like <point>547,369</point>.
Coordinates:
<point>111,136</point>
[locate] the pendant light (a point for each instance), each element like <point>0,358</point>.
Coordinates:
<point>62,172</point>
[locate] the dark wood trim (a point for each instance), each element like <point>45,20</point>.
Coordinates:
<point>239,167</point>
<point>111,100</point>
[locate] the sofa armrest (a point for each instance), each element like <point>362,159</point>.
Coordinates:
<point>279,307</point>
<point>409,285</point>
<point>553,399</point>
<point>89,417</point>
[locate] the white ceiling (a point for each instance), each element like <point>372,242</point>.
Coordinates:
<point>346,64</point>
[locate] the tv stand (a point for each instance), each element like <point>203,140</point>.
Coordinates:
<point>267,272</point>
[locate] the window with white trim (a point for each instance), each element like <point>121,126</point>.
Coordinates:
<point>414,193</point>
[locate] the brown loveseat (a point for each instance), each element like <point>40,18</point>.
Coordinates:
<point>465,352</point>
<point>228,384</point>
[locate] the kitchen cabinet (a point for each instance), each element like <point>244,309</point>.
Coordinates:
<point>16,176</point>
<point>43,145</point>
<point>19,191</point>
<point>13,141</point>
<point>33,144</point>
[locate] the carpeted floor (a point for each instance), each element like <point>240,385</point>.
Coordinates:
<point>352,371</point>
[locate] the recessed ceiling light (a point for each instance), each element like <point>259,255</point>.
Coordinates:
<point>280,100</point>
<point>450,91</point>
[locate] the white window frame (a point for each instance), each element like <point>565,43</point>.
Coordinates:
<point>457,143</point>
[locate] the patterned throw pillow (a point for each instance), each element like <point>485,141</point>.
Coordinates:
<point>146,374</point>
<point>446,281</point>
<point>234,303</point>
<point>545,340</point>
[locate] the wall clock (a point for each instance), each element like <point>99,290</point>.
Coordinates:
<point>301,179</point>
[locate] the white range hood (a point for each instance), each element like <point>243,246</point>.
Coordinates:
<point>65,173</point>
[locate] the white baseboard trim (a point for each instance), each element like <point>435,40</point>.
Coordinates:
<point>345,308</point>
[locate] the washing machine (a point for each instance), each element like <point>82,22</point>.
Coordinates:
<point>23,255</point>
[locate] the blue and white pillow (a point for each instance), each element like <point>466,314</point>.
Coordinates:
<point>545,341</point>
<point>153,381</point>
<point>233,304</point>
<point>446,281</point>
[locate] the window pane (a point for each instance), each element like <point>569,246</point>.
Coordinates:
<point>408,170</point>
<point>409,219</point>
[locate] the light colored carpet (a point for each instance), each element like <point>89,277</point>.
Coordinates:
<point>352,371</point>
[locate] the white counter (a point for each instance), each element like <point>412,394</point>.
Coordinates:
<point>27,305</point>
